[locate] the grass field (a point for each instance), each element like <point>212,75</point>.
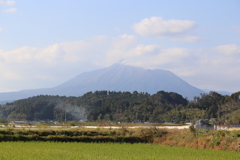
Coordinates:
<point>108,151</point>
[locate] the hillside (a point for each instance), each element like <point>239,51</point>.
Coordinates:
<point>117,77</point>
<point>127,107</point>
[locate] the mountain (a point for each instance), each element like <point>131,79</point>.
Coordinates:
<point>117,77</point>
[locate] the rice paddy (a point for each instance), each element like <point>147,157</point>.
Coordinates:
<point>105,151</point>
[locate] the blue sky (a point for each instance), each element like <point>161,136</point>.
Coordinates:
<point>44,43</point>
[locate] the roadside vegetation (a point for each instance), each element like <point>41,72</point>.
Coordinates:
<point>191,138</point>
<point>201,139</point>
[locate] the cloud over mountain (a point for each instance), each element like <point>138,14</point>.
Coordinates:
<point>172,29</point>
<point>159,26</point>
<point>229,49</point>
<point>32,66</point>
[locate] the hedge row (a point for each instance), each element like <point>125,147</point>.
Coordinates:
<point>62,132</point>
<point>60,138</point>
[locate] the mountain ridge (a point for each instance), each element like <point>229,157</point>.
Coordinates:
<point>118,77</point>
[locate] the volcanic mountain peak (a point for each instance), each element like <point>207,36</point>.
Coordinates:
<point>118,77</point>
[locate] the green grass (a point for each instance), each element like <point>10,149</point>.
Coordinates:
<point>105,151</point>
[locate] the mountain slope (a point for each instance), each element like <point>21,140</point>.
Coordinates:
<point>117,77</point>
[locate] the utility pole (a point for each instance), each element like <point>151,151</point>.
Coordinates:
<point>65,114</point>
<point>218,114</point>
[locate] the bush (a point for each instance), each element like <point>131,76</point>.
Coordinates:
<point>193,130</point>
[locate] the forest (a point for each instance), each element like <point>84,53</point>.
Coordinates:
<point>126,107</point>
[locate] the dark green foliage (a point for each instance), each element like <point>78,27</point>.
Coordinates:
<point>193,130</point>
<point>34,108</point>
<point>126,107</point>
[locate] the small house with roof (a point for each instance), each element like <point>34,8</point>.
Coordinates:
<point>203,124</point>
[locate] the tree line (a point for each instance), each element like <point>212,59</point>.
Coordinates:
<point>126,107</point>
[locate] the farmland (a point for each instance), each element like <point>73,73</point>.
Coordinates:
<point>139,143</point>
<point>196,138</point>
<point>74,150</point>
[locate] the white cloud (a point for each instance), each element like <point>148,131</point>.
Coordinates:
<point>174,30</point>
<point>148,56</point>
<point>59,62</point>
<point>141,50</point>
<point>212,68</point>
<point>46,67</point>
<point>157,26</point>
<point>10,10</point>
<point>203,68</point>
<point>132,54</point>
<point>229,49</point>
<point>0,30</point>
<point>20,55</point>
<point>7,3</point>
<point>185,39</point>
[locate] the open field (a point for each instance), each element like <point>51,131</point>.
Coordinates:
<point>51,150</point>
<point>195,138</point>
